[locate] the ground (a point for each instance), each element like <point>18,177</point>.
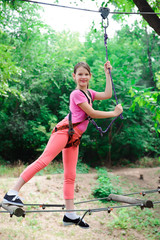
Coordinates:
<point>48,189</point>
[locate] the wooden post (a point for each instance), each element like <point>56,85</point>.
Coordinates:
<point>125,199</point>
<point>141,177</point>
<point>14,210</point>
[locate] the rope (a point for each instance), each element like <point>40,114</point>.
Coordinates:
<point>143,193</point>
<point>108,209</point>
<point>43,206</point>
<point>89,10</point>
<point>142,205</point>
<point>90,119</point>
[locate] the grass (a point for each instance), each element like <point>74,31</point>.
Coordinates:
<point>145,221</point>
<point>126,220</point>
<point>53,168</point>
<point>56,167</point>
<point>145,162</point>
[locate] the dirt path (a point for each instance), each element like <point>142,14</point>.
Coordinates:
<point>48,226</point>
<point>151,176</point>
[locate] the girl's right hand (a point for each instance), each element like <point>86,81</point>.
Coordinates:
<point>118,110</point>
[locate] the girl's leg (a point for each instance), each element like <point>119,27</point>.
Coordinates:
<point>54,146</point>
<point>19,184</point>
<point>70,158</point>
<point>69,203</point>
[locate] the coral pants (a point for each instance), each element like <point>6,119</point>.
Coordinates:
<point>55,145</point>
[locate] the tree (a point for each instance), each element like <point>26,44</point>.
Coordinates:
<point>143,6</point>
<point>153,20</point>
<point>8,69</point>
<point>135,135</point>
<point>46,60</point>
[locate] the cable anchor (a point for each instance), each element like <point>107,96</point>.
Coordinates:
<point>104,13</point>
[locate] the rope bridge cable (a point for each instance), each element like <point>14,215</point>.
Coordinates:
<point>43,206</point>
<point>88,10</point>
<point>143,193</point>
<point>20,212</point>
<point>108,209</point>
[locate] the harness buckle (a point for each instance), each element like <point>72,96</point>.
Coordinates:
<point>71,131</point>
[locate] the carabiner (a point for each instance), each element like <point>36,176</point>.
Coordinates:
<point>104,14</point>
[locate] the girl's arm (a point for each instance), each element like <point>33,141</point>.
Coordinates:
<point>100,114</point>
<point>108,89</point>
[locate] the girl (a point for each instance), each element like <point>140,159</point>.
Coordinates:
<point>68,141</point>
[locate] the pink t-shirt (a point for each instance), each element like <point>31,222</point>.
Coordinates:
<point>78,115</point>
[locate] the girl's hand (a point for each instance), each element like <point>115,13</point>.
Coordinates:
<point>118,110</point>
<point>107,66</point>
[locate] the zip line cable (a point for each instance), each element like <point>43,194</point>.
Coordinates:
<point>89,10</point>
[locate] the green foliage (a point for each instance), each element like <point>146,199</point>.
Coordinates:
<point>8,69</point>
<point>148,99</point>
<point>137,220</point>
<point>36,80</point>
<point>128,57</point>
<point>149,162</point>
<point>128,6</point>
<point>7,169</point>
<point>14,4</point>
<point>82,167</point>
<point>107,184</point>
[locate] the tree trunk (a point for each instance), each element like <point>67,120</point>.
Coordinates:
<point>149,52</point>
<point>153,20</point>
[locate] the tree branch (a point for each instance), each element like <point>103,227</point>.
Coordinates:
<point>153,20</point>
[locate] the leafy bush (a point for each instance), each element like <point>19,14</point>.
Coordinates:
<point>82,167</point>
<point>108,184</point>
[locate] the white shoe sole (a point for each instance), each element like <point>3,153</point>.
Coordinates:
<point>68,223</point>
<point>4,201</point>
<point>65,224</point>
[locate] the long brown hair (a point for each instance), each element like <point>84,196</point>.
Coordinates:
<point>82,64</point>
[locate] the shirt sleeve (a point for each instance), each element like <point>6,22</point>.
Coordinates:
<point>78,97</point>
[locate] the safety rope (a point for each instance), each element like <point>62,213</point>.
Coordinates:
<point>89,10</point>
<point>104,13</point>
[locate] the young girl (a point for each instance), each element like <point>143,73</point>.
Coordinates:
<point>61,140</point>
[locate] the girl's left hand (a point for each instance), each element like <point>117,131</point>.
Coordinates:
<point>107,66</point>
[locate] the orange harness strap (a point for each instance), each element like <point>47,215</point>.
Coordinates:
<point>69,143</point>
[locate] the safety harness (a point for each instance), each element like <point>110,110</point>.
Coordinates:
<point>71,125</point>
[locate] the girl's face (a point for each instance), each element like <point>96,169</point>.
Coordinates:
<point>82,77</point>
